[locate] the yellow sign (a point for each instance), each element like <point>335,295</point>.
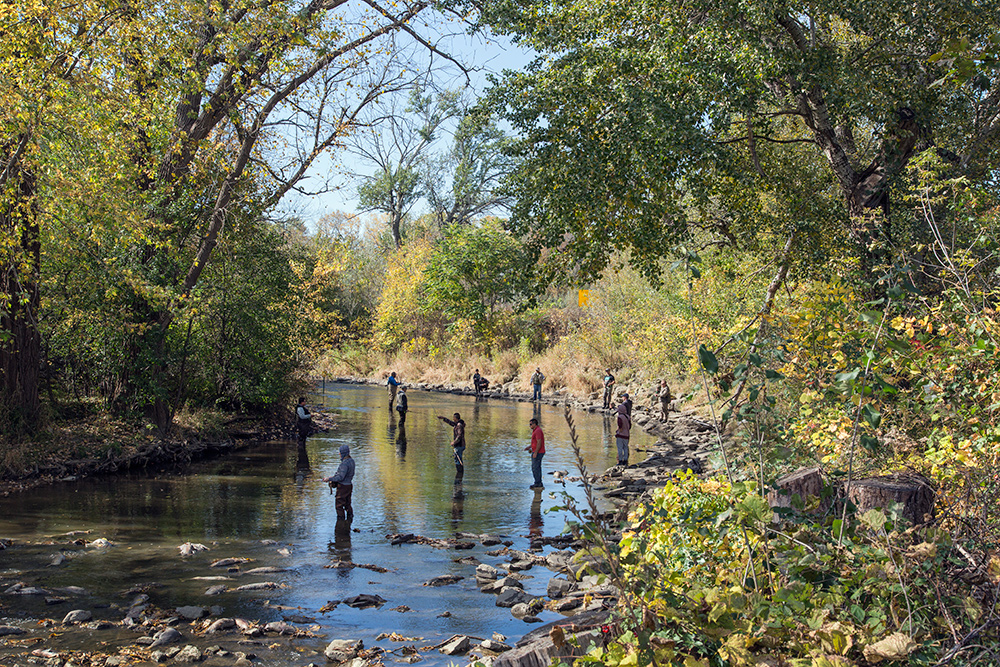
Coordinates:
<point>583,298</point>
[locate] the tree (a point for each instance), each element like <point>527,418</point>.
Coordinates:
<point>395,144</point>
<point>475,273</point>
<point>642,120</point>
<point>464,183</point>
<point>45,55</point>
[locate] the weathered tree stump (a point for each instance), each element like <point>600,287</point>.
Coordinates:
<point>805,484</point>
<point>912,490</point>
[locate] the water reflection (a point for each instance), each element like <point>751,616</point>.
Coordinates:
<point>535,516</point>
<point>401,443</point>
<point>458,501</point>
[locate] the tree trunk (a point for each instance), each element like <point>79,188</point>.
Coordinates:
<point>20,349</point>
<point>914,492</point>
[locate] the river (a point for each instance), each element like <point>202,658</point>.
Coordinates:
<point>267,503</point>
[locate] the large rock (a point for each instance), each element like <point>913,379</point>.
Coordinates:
<point>10,630</point>
<point>444,580</point>
<point>342,650</point>
<point>167,636</point>
<point>485,571</point>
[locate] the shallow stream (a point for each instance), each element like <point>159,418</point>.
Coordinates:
<point>267,503</point>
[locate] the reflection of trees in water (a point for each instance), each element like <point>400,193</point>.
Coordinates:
<point>535,518</point>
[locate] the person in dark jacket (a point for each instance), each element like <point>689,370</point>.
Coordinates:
<point>402,405</point>
<point>343,481</point>
<point>303,421</point>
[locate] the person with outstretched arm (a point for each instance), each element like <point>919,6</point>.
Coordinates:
<point>458,438</point>
<point>343,482</point>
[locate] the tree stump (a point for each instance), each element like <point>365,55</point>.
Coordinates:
<point>805,483</point>
<point>912,490</point>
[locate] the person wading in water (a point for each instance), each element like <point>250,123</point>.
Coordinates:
<point>458,438</point>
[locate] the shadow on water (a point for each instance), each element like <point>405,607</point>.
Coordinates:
<point>267,503</point>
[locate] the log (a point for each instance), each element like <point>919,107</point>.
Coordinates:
<point>912,490</point>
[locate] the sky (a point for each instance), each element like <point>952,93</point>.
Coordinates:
<point>484,54</point>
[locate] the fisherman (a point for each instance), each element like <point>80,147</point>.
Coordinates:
<point>343,482</point>
<point>458,439</point>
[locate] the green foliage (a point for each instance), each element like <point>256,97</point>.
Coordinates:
<point>643,123</point>
<point>477,274</point>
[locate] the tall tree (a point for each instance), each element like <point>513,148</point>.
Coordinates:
<point>45,52</point>
<point>396,145</point>
<point>464,182</point>
<point>641,119</point>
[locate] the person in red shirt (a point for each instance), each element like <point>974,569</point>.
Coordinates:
<point>537,449</point>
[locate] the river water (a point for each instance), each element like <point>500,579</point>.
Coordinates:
<point>267,503</point>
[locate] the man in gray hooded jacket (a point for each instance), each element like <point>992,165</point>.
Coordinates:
<point>343,479</point>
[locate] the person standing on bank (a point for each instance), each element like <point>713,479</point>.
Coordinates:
<point>401,405</point>
<point>621,435</point>
<point>458,439</point>
<point>303,421</point>
<point>609,387</point>
<point>664,401</point>
<point>343,480</point>
<point>627,402</point>
<point>537,449</point>
<point>393,384</point>
<point>476,380</point>
<point>536,382</point>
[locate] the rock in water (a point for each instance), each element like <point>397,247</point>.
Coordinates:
<point>485,571</point>
<point>77,616</point>
<point>458,646</point>
<point>494,646</point>
<point>443,580</point>
<point>190,548</point>
<point>342,650</point>
<point>364,601</point>
<point>6,630</point>
<point>164,637</point>
<point>280,627</point>
<point>216,590</point>
<point>191,613</point>
<point>188,654</point>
